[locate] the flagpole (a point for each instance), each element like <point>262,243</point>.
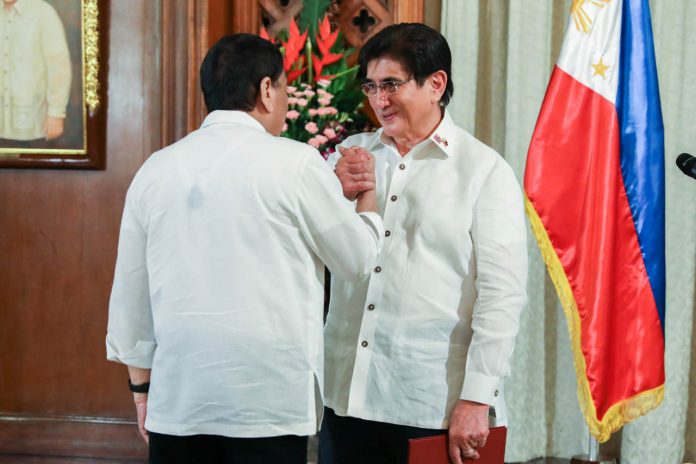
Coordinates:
<point>593,449</point>
<point>593,456</point>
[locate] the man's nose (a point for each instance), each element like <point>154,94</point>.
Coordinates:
<point>382,98</point>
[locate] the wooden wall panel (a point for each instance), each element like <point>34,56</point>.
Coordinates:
<point>184,26</point>
<point>58,238</point>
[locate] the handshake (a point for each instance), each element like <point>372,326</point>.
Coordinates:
<point>356,171</point>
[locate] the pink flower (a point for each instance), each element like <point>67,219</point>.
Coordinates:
<point>330,133</point>
<point>309,93</point>
<point>313,112</point>
<point>311,127</point>
<point>314,142</point>
<point>323,83</point>
<point>292,114</point>
<point>292,101</point>
<point>324,101</point>
<point>285,127</point>
<point>304,86</point>
<point>292,89</point>
<point>322,112</point>
<point>302,102</point>
<point>321,139</point>
<point>331,110</point>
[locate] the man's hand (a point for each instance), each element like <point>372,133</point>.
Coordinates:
<point>140,376</point>
<point>53,127</point>
<point>140,400</point>
<point>468,430</point>
<point>356,171</point>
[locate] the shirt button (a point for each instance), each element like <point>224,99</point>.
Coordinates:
<point>370,307</point>
<point>393,198</point>
<point>495,393</point>
<point>402,166</point>
<point>387,233</point>
<point>378,269</point>
<point>364,344</point>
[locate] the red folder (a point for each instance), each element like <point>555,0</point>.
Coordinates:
<point>433,450</point>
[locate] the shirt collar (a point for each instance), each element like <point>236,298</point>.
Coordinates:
<point>442,137</point>
<point>231,117</point>
<point>16,8</point>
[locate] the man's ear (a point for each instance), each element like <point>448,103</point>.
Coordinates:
<point>438,84</point>
<point>266,91</point>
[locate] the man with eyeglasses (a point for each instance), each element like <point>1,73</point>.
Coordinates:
<point>421,347</point>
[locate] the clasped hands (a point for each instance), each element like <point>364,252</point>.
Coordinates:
<point>356,171</point>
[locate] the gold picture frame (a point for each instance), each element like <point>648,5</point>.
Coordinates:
<point>68,78</point>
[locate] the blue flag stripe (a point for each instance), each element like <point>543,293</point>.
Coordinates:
<point>642,141</point>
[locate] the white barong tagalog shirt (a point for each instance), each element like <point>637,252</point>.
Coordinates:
<point>35,70</point>
<point>219,279</point>
<point>437,319</point>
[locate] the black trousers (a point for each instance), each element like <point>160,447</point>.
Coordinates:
<point>214,449</point>
<point>348,440</point>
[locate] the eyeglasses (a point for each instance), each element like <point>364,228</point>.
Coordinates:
<point>389,87</point>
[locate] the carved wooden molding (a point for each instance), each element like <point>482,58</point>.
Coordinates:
<point>277,17</point>
<point>358,19</point>
<point>361,19</point>
<point>46,435</point>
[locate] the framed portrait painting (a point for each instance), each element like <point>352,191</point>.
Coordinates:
<point>52,83</point>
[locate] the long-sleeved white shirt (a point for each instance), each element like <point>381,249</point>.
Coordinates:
<point>35,71</point>
<point>218,285</point>
<point>437,319</point>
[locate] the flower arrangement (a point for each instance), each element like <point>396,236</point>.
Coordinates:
<point>324,94</point>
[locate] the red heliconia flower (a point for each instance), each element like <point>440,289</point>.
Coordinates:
<point>317,64</point>
<point>294,45</point>
<point>295,73</point>
<point>326,39</point>
<point>331,58</point>
<point>324,27</point>
<point>264,35</point>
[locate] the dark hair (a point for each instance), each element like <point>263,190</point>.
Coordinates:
<point>233,69</point>
<point>420,49</point>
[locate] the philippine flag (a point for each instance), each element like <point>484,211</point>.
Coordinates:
<point>594,183</point>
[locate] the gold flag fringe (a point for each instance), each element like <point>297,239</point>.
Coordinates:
<point>619,413</point>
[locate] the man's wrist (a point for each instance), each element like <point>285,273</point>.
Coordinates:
<point>474,403</point>
<point>367,202</point>
<point>139,388</point>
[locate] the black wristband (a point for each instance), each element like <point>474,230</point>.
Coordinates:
<point>142,388</point>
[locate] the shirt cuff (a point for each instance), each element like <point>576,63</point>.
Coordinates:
<point>480,388</point>
<point>374,220</point>
<point>56,111</point>
<point>140,355</point>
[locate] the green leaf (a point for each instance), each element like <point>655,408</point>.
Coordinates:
<point>312,12</point>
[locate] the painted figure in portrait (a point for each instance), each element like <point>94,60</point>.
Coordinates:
<point>40,70</point>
